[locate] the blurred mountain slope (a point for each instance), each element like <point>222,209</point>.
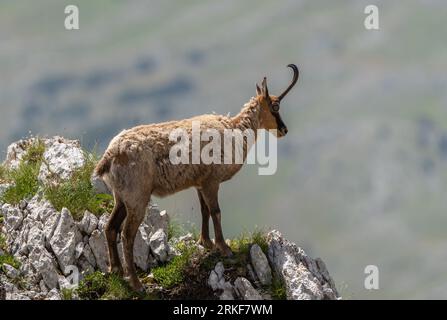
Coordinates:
<point>361,174</point>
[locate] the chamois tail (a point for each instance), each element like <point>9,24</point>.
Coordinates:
<point>103,165</point>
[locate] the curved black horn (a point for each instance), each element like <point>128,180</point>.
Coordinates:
<point>296,74</point>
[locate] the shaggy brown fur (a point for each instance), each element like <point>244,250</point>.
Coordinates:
<point>136,165</point>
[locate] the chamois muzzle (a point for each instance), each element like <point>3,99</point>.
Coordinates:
<point>296,74</point>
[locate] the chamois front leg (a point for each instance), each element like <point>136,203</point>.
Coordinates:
<point>210,195</point>
<point>205,233</point>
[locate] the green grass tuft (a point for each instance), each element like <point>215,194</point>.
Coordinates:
<point>93,286</point>
<point>172,273</point>
<point>24,178</point>
<point>77,193</point>
<point>260,238</point>
<point>118,289</point>
<point>25,183</point>
<point>278,289</point>
<point>3,174</point>
<point>67,294</point>
<point>105,287</point>
<point>34,152</point>
<point>8,259</point>
<point>241,244</point>
<point>245,240</point>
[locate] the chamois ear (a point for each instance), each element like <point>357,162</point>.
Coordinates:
<point>258,90</point>
<point>265,90</point>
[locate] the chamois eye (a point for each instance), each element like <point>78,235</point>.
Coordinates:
<point>275,107</point>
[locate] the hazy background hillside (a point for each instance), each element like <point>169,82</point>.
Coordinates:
<point>362,174</point>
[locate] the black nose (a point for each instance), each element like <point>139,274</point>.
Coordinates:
<point>285,130</point>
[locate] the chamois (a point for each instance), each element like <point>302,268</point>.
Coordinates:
<point>136,165</point>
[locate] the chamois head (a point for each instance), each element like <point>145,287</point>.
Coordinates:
<point>269,117</point>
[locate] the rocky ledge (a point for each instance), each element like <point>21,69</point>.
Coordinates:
<point>45,252</point>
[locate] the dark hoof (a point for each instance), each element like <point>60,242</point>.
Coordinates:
<point>224,250</point>
<point>207,243</point>
<point>135,284</point>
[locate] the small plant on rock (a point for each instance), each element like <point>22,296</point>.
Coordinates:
<point>8,259</point>
<point>98,285</point>
<point>278,289</point>
<point>93,286</point>
<point>24,178</point>
<point>173,272</point>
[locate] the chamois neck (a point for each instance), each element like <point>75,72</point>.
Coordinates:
<point>248,117</point>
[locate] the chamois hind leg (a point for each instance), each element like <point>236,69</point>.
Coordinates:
<point>205,233</point>
<point>135,215</point>
<point>112,229</point>
<point>210,195</point>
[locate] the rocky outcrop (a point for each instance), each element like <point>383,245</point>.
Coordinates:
<point>61,157</point>
<point>304,277</point>
<point>49,245</point>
